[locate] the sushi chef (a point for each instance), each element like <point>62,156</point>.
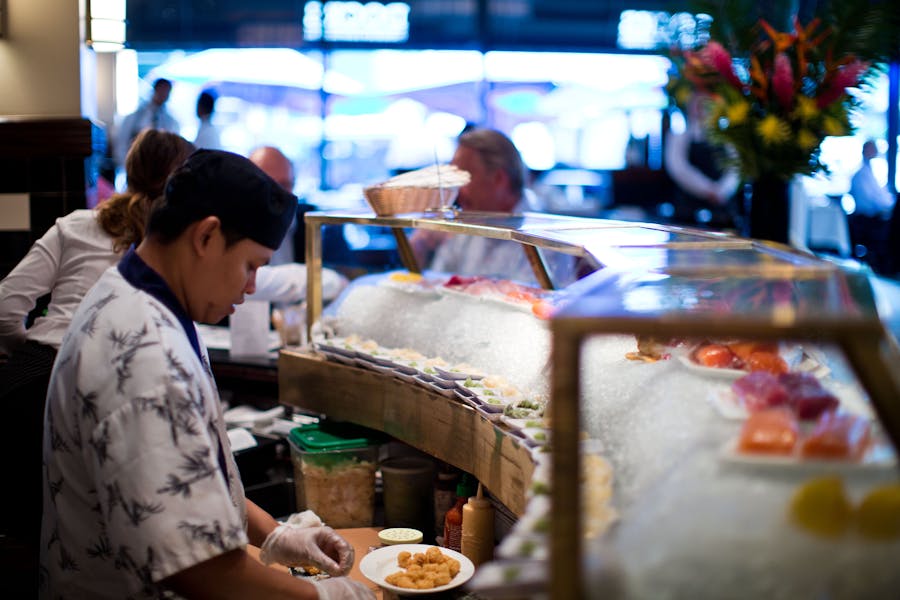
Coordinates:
<point>142,498</point>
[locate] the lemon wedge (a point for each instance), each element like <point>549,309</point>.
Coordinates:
<point>405,277</point>
<point>878,515</point>
<point>821,507</point>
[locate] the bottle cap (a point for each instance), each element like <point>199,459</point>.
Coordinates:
<point>399,535</point>
<point>479,501</point>
<point>465,487</point>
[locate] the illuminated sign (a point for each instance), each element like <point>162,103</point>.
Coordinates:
<point>651,30</point>
<point>356,21</point>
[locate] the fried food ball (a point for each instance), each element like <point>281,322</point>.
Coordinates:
<point>424,571</point>
<point>454,566</point>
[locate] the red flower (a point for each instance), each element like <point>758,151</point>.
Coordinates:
<point>783,81</point>
<point>846,76</point>
<point>719,58</point>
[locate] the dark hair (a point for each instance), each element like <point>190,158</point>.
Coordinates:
<point>162,81</point>
<point>206,103</point>
<point>497,152</point>
<point>153,155</point>
<point>248,203</point>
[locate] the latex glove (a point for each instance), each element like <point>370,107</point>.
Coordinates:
<point>307,518</point>
<point>320,547</point>
<point>342,588</point>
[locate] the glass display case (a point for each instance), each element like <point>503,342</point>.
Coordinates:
<point>690,492</point>
<point>627,380</point>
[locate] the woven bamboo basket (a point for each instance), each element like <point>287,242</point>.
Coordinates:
<point>387,201</point>
<point>430,188</point>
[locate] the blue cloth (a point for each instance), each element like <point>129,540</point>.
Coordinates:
<point>137,273</point>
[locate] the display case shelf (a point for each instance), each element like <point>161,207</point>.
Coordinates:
<point>444,428</point>
<point>650,280</point>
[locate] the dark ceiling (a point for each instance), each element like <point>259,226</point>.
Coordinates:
<point>512,24</point>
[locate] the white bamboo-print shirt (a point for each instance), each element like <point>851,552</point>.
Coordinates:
<point>135,452</point>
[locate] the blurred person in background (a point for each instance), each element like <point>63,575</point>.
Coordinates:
<point>146,498</point>
<point>869,222</point>
<point>279,167</point>
<point>497,185</point>
<point>152,114</point>
<point>285,269</point>
<point>706,193</point>
<point>872,199</point>
<point>64,263</point>
<point>207,133</point>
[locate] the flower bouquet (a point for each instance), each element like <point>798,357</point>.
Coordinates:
<point>773,107</point>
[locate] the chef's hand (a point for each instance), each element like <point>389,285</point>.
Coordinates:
<point>342,588</point>
<point>320,547</point>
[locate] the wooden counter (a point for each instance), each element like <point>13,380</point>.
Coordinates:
<point>442,427</point>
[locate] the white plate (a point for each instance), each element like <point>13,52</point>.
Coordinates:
<point>535,436</point>
<point>380,563</point>
<point>443,388</point>
<point>403,376</point>
<point>488,413</point>
<point>879,457</point>
<point>335,349</point>
<point>717,372</point>
<point>797,358</point>
<point>467,399</point>
<point>452,375</point>
<point>334,357</point>
<point>726,403</point>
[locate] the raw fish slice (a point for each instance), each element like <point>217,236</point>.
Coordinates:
<point>838,436</point>
<point>771,431</point>
<point>807,396</point>
<point>461,282</point>
<point>743,350</point>
<point>762,360</point>
<point>485,287</point>
<point>759,390</point>
<point>716,356</point>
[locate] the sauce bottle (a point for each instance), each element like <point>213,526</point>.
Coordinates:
<point>444,496</point>
<point>453,520</point>
<point>478,529</point>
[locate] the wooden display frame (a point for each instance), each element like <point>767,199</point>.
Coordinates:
<point>461,436</point>
<point>442,427</point>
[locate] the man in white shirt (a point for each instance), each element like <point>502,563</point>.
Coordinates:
<point>869,224</point>
<point>142,498</point>
<point>872,199</point>
<point>279,167</point>
<point>152,114</point>
<point>497,185</point>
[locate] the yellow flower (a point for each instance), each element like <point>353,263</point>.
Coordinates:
<point>806,139</point>
<point>806,108</point>
<point>737,113</point>
<point>832,126</point>
<point>773,130</point>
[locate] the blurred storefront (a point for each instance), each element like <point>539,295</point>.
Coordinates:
<point>358,91</point>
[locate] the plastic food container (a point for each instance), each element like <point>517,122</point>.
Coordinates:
<point>334,472</point>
